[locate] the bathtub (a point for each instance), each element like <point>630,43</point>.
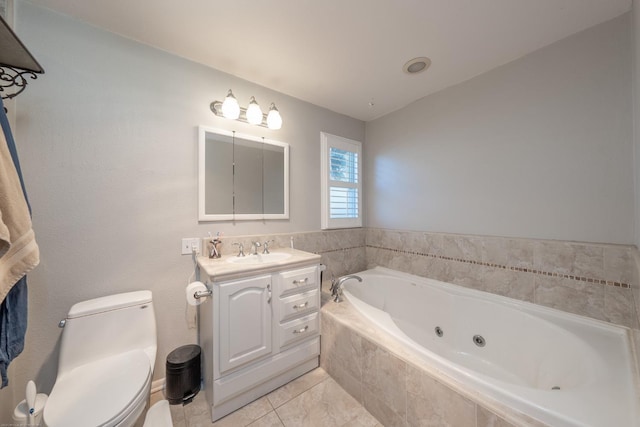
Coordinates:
<point>559,368</point>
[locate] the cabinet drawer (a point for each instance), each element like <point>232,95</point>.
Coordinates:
<point>299,329</point>
<point>298,304</point>
<point>298,280</point>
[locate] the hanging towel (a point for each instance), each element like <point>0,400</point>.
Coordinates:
<point>13,327</point>
<point>22,254</point>
<point>18,251</point>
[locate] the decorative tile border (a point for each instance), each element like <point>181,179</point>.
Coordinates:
<point>506,267</point>
<point>339,249</point>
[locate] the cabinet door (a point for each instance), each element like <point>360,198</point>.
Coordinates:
<point>244,321</point>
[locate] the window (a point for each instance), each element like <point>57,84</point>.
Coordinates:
<point>341,182</point>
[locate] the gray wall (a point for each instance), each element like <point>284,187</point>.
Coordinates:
<point>108,144</point>
<point>540,147</point>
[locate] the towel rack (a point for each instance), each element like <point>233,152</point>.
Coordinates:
<point>16,63</point>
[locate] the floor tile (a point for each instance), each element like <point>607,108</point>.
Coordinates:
<point>296,387</point>
<point>269,420</point>
<point>197,412</point>
<point>325,404</point>
<point>246,415</point>
<point>314,399</point>
<point>361,418</point>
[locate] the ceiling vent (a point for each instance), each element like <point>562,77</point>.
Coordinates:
<point>417,65</point>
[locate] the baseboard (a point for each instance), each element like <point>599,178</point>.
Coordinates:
<point>157,385</point>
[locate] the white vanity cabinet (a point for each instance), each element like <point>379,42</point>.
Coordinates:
<point>259,330</point>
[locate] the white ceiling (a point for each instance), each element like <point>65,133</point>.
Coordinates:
<point>344,54</point>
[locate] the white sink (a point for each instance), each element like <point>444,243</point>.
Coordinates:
<point>260,258</point>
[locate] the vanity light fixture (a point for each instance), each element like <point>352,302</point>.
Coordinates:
<point>274,121</point>
<point>253,114</point>
<point>230,107</point>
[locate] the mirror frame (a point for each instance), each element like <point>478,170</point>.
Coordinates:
<point>202,215</point>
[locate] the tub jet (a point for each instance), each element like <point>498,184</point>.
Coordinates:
<point>479,340</point>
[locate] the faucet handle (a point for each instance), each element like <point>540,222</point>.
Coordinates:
<point>241,252</point>
<point>265,246</point>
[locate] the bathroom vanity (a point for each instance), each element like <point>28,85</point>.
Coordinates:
<point>260,329</point>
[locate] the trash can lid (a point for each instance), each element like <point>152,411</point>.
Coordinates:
<point>184,354</point>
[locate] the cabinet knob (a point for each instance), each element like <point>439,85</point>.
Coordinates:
<point>301,330</point>
<point>301,282</point>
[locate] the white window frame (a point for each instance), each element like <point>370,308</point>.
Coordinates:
<point>329,141</point>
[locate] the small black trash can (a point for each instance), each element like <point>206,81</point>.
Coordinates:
<point>183,374</point>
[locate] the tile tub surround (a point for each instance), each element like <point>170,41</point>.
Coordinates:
<point>594,280</point>
<point>395,386</point>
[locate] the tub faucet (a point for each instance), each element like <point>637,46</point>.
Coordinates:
<point>336,286</point>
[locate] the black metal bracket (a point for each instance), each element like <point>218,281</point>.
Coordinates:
<point>14,78</point>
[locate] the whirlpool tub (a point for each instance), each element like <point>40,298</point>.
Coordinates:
<point>558,368</point>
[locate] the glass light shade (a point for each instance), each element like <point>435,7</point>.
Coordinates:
<point>274,121</point>
<point>230,107</point>
<point>254,112</point>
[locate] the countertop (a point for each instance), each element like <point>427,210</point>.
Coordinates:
<point>219,269</point>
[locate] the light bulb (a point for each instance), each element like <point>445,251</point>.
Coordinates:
<point>230,107</point>
<point>254,113</point>
<point>274,121</point>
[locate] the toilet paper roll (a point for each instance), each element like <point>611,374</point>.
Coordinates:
<point>192,288</point>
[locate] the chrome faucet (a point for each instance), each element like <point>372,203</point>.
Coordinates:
<point>255,246</point>
<point>336,286</point>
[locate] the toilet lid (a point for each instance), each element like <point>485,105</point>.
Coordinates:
<point>98,393</point>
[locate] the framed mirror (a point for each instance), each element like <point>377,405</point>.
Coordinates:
<point>241,177</point>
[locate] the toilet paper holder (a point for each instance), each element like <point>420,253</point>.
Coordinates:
<point>202,294</point>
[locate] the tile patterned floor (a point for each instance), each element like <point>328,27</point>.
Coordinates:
<point>311,400</point>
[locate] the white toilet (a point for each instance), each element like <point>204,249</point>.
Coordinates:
<point>107,355</point>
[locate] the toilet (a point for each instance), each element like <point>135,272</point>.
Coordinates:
<point>105,368</point>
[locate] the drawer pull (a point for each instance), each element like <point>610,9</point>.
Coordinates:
<point>301,330</point>
<point>301,306</point>
<point>301,282</point>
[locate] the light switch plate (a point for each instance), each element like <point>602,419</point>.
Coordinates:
<point>189,244</point>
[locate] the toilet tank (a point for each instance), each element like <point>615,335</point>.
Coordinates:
<point>107,326</point>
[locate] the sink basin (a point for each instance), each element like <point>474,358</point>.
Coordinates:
<point>260,258</point>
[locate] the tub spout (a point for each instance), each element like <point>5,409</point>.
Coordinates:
<point>336,286</point>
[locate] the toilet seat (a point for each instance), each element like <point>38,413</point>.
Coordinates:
<point>101,393</point>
